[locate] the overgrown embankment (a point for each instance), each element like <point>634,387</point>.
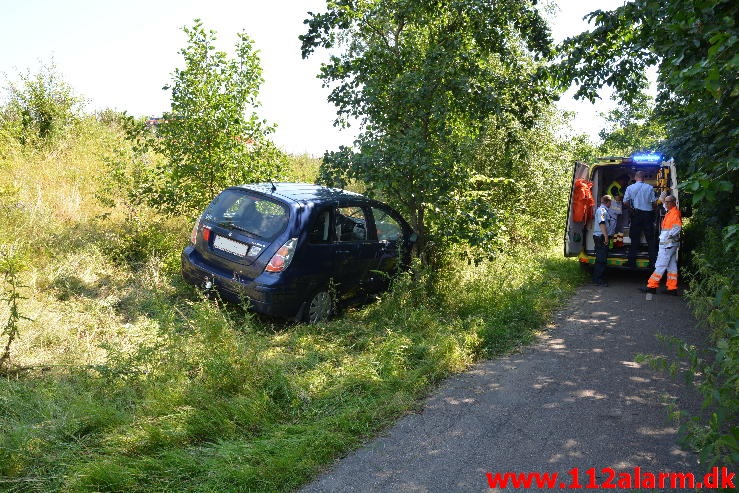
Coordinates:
<point>122,378</point>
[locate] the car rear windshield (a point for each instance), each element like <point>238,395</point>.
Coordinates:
<point>249,212</point>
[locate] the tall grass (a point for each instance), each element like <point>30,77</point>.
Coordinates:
<point>126,379</point>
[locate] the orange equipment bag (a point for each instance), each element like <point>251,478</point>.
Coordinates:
<point>582,201</point>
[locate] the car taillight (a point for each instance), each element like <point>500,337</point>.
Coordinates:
<point>282,258</point>
<point>194,234</point>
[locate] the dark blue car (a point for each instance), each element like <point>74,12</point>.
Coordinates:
<point>293,250</point>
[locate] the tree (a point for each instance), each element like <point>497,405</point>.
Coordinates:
<point>528,175</point>
<point>423,79</point>
<point>632,127</point>
<point>41,107</point>
<point>692,44</point>
<point>210,138</point>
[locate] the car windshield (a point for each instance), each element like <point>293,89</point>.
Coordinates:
<point>245,211</point>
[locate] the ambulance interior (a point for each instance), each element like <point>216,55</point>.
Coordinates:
<point>602,176</point>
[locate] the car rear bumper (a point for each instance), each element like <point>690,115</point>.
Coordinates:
<point>279,301</point>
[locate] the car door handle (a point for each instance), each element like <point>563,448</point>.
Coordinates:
<point>343,251</point>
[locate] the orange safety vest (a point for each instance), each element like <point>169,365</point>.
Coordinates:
<point>672,218</point>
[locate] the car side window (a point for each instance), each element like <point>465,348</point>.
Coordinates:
<point>351,224</point>
<point>388,228</point>
<point>321,230</point>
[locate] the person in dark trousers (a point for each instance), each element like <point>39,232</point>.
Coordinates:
<point>604,227</point>
<point>640,198</point>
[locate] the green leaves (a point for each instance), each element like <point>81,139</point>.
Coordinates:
<point>40,108</point>
<point>212,137</point>
<point>633,127</point>
<point>705,188</point>
<point>11,264</point>
<point>423,78</point>
<point>693,46</point>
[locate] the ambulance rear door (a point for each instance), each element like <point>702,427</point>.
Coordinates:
<point>573,240</point>
<point>672,180</point>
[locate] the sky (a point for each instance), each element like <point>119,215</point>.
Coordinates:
<point>120,53</point>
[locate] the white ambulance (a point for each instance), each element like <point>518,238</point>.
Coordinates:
<point>606,176</point>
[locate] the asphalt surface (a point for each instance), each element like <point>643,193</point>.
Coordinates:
<point>575,399</point>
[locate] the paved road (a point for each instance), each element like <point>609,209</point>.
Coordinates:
<point>576,399</point>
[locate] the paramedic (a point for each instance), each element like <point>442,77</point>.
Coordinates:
<point>616,190</point>
<point>640,199</point>
<point>669,242</point>
<point>604,227</point>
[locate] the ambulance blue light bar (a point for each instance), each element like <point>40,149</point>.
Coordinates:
<point>647,157</point>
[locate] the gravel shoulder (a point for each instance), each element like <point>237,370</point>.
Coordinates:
<point>575,399</point>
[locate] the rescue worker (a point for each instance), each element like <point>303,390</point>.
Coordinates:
<point>669,243</point>
<point>616,191</point>
<point>639,196</point>
<point>617,187</point>
<point>605,225</point>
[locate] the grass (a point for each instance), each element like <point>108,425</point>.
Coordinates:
<point>125,379</point>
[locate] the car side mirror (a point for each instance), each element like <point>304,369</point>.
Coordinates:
<point>413,237</point>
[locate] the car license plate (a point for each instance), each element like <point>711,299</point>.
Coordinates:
<point>230,246</point>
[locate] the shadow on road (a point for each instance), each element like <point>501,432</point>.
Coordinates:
<point>576,399</point>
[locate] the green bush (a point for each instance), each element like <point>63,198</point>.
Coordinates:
<point>714,298</point>
<point>41,108</point>
<point>303,168</point>
<point>135,240</point>
<point>11,265</point>
<point>212,137</point>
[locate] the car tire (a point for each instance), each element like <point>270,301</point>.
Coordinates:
<point>319,307</point>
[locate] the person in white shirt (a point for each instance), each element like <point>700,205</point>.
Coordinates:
<point>604,225</point>
<point>640,198</point>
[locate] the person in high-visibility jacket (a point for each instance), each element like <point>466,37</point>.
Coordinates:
<point>617,187</point>
<point>669,242</point>
<point>616,190</point>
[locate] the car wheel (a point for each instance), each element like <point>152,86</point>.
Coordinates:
<point>319,307</point>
